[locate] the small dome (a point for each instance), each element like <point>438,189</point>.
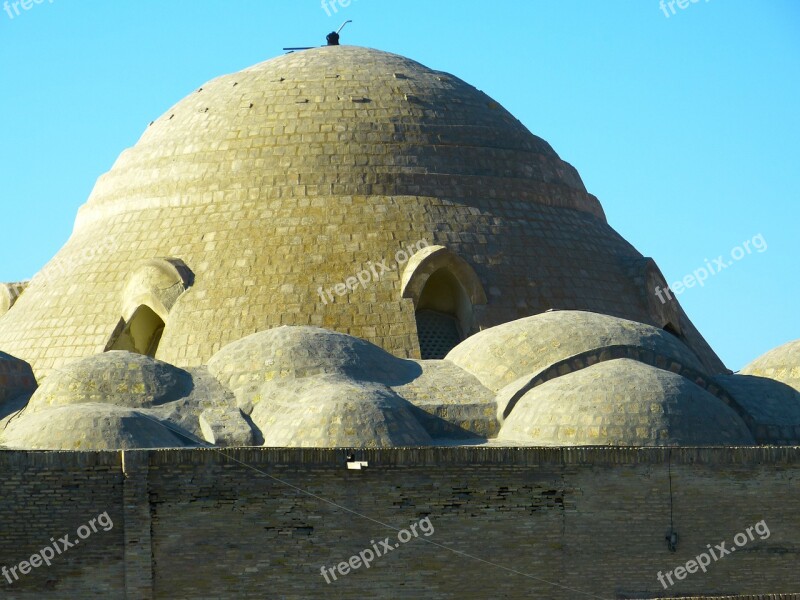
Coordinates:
<point>503,354</point>
<point>331,412</point>
<point>209,412</point>
<point>772,407</point>
<point>623,402</point>
<point>452,402</point>
<point>781,364</point>
<point>297,352</point>
<point>118,378</point>
<point>89,427</point>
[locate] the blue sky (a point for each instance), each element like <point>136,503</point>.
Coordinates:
<point>684,126</point>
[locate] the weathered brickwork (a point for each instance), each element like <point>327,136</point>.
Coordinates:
<point>136,511</point>
<point>586,519</point>
<point>292,176</point>
<point>46,495</point>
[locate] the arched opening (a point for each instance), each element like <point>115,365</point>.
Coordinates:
<point>443,315</point>
<point>446,293</point>
<point>141,334</point>
<point>670,328</point>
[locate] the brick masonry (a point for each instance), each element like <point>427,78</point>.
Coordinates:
<point>200,524</point>
<point>295,174</point>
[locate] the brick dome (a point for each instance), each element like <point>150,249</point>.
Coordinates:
<point>623,403</point>
<point>259,200</point>
<point>781,364</point>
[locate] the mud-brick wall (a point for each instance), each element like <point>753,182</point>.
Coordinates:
<point>508,522</point>
<point>46,495</point>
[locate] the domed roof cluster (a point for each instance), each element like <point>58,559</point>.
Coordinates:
<point>342,247</point>
<point>558,378</point>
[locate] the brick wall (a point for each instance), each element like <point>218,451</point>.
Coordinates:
<point>202,524</point>
<point>46,495</point>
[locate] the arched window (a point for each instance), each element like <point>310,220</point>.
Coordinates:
<point>141,334</point>
<point>445,290</point>
<point>151,291</point>
<point>442,314</point>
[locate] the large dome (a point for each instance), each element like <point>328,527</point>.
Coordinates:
<point>294,193</point>
<point>339,121</point>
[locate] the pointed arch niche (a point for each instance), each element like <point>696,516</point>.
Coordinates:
<point>140,334</point>
<point>445,290</point>
<point>150,293</point>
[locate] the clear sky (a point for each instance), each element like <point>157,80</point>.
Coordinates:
<point>685,126</point>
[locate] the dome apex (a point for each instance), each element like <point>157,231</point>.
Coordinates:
<point>318,121</point>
